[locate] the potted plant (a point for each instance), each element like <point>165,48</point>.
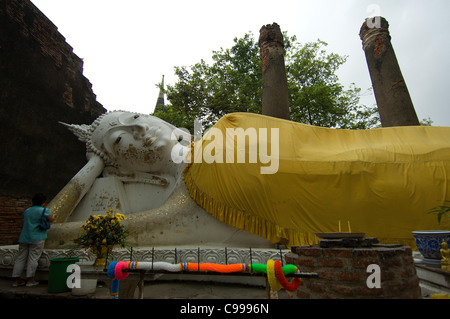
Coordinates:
<point>429,241</point>
<point>100,233</point>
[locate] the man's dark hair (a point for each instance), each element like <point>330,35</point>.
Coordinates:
<point>38,199</point>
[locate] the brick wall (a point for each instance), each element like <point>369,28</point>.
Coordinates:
<point>11,218</point>
<point>343,272</point>
<point>33,23</point>
<point>41,84</point>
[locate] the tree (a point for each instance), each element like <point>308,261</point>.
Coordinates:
<point>315,95</point>
<point>426,122</point>
<point>233,83</point>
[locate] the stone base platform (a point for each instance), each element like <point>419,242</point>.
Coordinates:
<point>161,254</point>
<point>172,255</point>
<point>164,254</point>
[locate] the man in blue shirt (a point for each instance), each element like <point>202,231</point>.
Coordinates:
<point>31,242</point>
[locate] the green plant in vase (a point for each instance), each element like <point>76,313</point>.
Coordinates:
<point>440,211</point>
<point>429,242</point>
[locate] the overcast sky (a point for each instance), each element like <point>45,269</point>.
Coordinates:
<point>128,45</point>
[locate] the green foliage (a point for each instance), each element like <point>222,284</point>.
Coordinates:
<point>316,96</point>
<point>233,83</point>
<point>440,211</point>
<point>426,122</point>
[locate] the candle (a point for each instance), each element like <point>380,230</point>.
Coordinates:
<point>349,229</point>
<point>339,226</point>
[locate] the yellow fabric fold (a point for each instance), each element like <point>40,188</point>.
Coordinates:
<point>382,181</point>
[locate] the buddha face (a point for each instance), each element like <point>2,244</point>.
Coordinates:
<point>135,142</point>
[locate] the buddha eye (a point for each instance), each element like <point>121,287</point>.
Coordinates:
<point>117,140</point>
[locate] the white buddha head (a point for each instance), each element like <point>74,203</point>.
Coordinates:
<point>130,142</point>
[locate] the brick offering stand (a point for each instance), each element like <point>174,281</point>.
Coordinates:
<point>346,270</point>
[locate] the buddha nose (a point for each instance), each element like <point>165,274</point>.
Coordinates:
<point>139,131</point>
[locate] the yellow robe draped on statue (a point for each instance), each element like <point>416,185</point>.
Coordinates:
<point>383,181</point>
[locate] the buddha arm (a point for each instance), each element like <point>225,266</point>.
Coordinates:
<point>68,198</point>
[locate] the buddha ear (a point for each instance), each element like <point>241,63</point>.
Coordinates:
<point>83,131</point>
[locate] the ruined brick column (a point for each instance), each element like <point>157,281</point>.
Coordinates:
<point>394,102</point>
<point>275,100</point>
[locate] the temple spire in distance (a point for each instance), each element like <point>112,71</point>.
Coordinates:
<point>160,100</point>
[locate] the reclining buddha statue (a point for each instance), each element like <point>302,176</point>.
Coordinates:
<point>253,181</point>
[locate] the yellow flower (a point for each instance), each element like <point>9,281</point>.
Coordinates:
<point>98,227</point>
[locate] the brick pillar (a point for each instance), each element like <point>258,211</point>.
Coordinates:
<point>275,99</point>
<point>394,102</point>
<point>343,272</point>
